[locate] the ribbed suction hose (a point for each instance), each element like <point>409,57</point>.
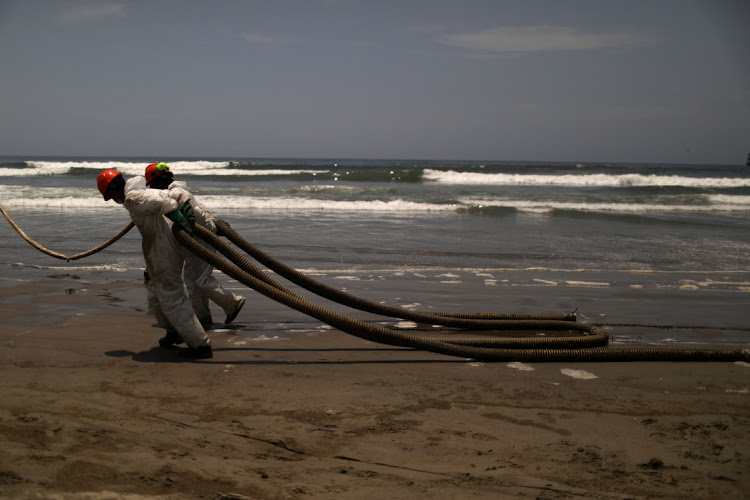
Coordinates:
<point>486,348</point>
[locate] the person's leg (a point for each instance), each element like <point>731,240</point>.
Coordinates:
<point>206,286</point>
<point>194,272</point>
<point>176,306</point>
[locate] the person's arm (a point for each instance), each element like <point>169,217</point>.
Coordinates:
<point>141,201</point>
<point>184,215</point>
<point>179,194</point>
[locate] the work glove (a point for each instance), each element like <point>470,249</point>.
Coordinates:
<point>179,218</point>
<point>187,211</point>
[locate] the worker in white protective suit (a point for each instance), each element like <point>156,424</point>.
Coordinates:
<point>151,211</point>
<point>198,273</point>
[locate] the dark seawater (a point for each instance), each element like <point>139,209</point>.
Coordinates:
<point>625,243</point>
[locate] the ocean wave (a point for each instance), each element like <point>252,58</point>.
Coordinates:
<point>466,175</point>
<point>67,202</point>
<point>724,203</point>
<point>306,205</point>
<point>117,267</point>
<point>585,180</point>
<point>53,198</point>
<point>730,199</point>
<point>192,168</point>
<point>213,169</point>
<point>217,202</point>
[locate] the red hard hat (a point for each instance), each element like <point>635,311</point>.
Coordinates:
<point>155,170</point>
<point>102,182</point>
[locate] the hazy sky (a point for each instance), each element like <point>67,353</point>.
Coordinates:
<point>586,80</point>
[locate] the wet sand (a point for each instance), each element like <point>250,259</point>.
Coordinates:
<point>93,408</point>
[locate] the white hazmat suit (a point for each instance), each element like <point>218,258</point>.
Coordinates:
<point>164,260</point>
<point>201,284</point>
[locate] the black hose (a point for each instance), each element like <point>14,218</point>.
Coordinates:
<point>484,321</point>
<point>588,340</point>
<point>486,349</point>
<point>369,306</point>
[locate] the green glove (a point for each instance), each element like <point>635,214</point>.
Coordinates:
<point>187,211</point>
<point>178,218</point>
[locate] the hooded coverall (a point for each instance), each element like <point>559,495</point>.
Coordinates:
<point>166,291</point>
<point>201,284</point>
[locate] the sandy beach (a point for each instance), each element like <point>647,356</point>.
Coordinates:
<point>93,408</point>
<point>463,161</point>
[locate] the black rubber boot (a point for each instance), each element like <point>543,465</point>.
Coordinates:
<point>200,352</point>
<point>233,314</point>
<point>170,339</point>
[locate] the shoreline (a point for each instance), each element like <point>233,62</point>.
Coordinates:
<point>288,408</point>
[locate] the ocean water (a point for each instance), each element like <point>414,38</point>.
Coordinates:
<point>622,243</point>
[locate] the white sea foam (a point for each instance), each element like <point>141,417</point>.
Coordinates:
<point>517,365</point>
<point>411,306</point>
<point>13,196</point>
<point>587,283</point>
<point>723,203</point>
<point>214,168</point>
<point>58,203</point>
<point>726,199</point>
<point>580,374</point>
<point>251,173</point>
<point>127,168</point>
<point>304,204</point>
<point>593,180</point>
<point>243,338</point>
<point>406,324</point>
<point>545,282</point>
<point>224,168</point>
